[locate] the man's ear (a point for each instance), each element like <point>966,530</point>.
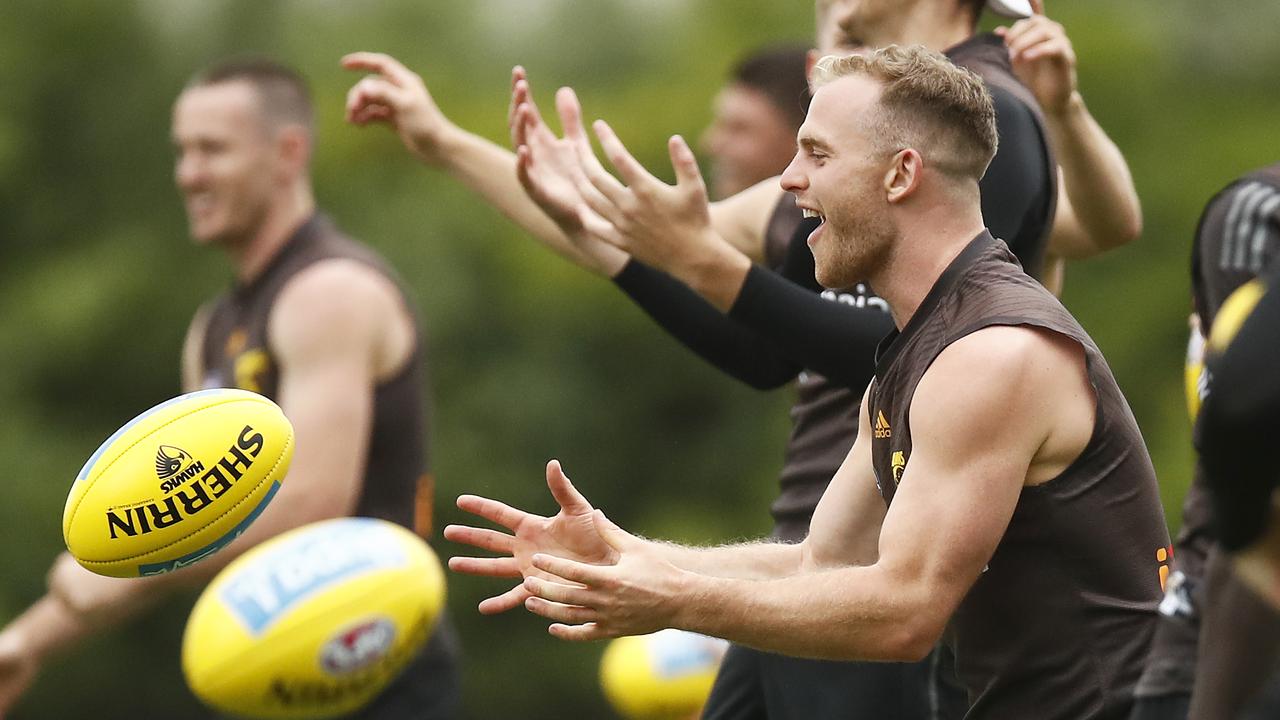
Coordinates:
<point>811,58</point>
<point>294,146</point>
<point>903,176</point>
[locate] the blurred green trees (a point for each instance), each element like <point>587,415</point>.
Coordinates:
<point>529,357</point>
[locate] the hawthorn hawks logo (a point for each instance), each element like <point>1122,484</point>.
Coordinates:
<point>169,460</point>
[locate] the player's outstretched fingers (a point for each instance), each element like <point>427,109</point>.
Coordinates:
<point>571,570</point>
<point>570,112</point>
<point>483,538</point>
<point>686,165</point>
<point>485,567</point>
<point>559,612</point>
<point>563,490</point>
<point>380,63</point>
<point>517,75</point>
<point>557,592</point>
<point>632,172</point>
<point>492,510</point>
<point>371,92</point>
<point>508,600</point>
<point>579,633</point>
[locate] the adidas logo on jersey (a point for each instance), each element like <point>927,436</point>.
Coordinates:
<point>882,429</point>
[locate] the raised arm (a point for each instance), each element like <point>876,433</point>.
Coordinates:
<point>394,95</point>
<point>1098,207</point>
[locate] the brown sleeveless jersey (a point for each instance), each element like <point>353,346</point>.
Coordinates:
<point>824,418</point>
<point>1057,627</point>
<point>237,353</point>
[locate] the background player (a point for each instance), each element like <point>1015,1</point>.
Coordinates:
<point>1236,440</point>
<point>755,116</point>
<point>313,320</point>
<point>1215,636</point>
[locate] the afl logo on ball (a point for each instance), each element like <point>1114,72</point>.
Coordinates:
<point>358,647</point>
<point>174,467</point>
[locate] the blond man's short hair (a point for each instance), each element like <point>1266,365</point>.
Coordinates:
<point>927,103</point>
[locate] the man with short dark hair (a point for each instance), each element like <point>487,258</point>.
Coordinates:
<point>1005,498</point>
<point>314,320</point>
<point>754,120</point>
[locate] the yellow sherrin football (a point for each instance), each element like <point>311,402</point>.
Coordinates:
<point>177,483</point>
<point>663,676</point>
<point>315,622</point>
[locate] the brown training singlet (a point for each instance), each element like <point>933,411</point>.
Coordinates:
<point>1058,625</point>
<point>236,353</point>
<point>824,418</point>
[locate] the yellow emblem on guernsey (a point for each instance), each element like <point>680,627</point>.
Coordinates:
<point>898,463</point>
<point>882,429</point>
<point>249,369</point>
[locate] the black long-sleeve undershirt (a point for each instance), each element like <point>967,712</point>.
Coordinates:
<point>776,328</point>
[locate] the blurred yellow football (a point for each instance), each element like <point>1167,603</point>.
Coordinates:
<point>177,483</point>
<point>663,676</point>
<point>315,622</point>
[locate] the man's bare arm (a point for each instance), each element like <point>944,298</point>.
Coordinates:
<point>1098,207</point>
<point>397,96</point>
<point>978,433</point>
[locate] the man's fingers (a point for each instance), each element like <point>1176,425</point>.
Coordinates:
<point>380,63</point>
<point>372,91</point>
<point>1055,47</point>
<point>560,612</point>
<point>493,510</point>
<point>570,112</point>
<point>632,172</point>
<point>563,491</point>
<point>370,113</point>
<point>601,228</point>
<point>1037,7</point>
<point>588,575</point>
<point>616,537</point>
<point>558,592</point>
<point>684,163</point>
<point>579,633</point>
<point>1035,32</point>
<point>508,600</point>
<point>520,127</point>
<point>506,567</point>
<point>483,538</point>
<point>601,190</point>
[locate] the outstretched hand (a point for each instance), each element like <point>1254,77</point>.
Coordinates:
<point>1043,59</point>
<point>395,95</point>
<point>639,593</point>
<point>668,226</point>
<point>548,169</point>
<point>570,533</point>
<point>548,165</point>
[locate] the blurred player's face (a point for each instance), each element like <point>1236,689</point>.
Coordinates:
<point>749,140</point>
<point>226,162</point>
<point>851,26</point>
<point>838,174</point>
